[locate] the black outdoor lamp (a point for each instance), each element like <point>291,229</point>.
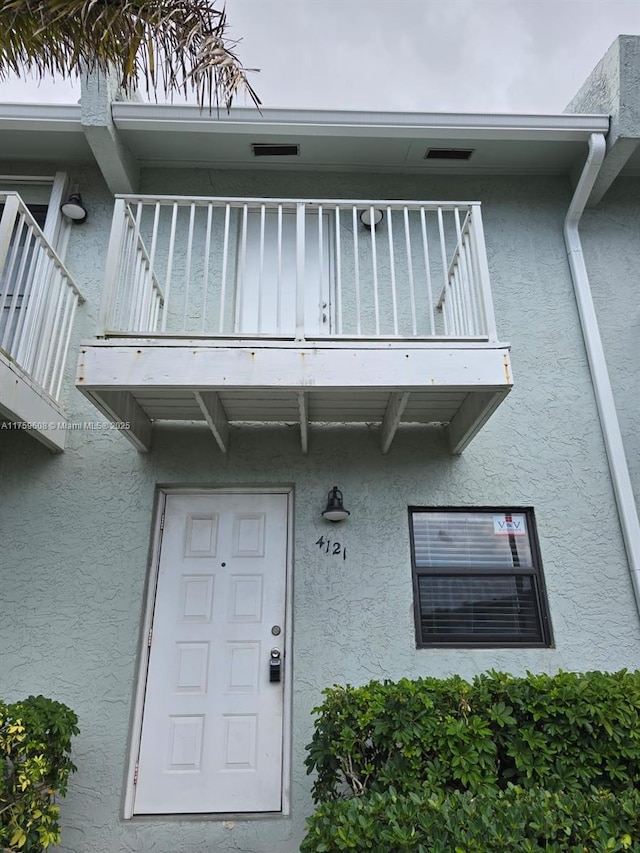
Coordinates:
<point>335,510</point>
<point>73,208</point>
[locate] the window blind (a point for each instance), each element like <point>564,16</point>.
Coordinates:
<point>469,540</point>
<point>476,578</point>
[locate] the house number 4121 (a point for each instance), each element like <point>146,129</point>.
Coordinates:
<point>336,549</point>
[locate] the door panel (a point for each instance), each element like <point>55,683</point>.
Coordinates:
<point>266,286</point>
<point>212,729</point>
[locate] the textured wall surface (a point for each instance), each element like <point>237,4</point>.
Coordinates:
<point>75,528</point>
<point>611,242</point>
<point>612,89</point>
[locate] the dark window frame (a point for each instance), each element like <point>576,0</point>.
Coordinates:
<point>535,572</point>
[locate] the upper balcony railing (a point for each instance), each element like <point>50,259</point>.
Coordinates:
<point>304,270</point>
<point>38,297</point>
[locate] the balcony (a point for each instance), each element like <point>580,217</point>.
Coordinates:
<point>38,300</point>
<point>236,310</point>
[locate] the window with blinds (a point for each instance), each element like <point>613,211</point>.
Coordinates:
<point>477,578</point>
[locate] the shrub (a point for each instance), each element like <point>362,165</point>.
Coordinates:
<point>565,732</point>
<point>490,821</point>
<point>35,742</point>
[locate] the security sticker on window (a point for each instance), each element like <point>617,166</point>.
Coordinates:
<point>509,525</point>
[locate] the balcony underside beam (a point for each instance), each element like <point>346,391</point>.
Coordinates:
<point>303,409</point>
<point>392,418</point>
<point>470,417</point>
<point>215,416</point>
<point>122,409</point>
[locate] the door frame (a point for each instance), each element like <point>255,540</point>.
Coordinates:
<point>133,746</point>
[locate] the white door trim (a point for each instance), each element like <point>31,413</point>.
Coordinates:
<point>143,657</point>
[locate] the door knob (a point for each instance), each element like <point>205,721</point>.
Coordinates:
<point>275,665</point>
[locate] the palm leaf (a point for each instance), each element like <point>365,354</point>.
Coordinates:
<point>173,45</point>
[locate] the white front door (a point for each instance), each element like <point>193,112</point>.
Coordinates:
<point>212,728</point>
<point>267,275</point>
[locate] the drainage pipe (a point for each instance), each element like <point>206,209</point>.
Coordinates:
<point>612,435</point>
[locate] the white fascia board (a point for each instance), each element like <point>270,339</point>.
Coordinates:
<point>58,117</point>
<point>565,126</point>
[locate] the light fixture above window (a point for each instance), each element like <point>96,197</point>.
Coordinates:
<point>73,208</point>
<point>335,510</point>
<point>371,217</point>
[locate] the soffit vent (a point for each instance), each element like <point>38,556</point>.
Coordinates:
<point>448,153</point>
<point>267,149</point>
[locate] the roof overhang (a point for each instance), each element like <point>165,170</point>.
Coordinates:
<point>183,136</point>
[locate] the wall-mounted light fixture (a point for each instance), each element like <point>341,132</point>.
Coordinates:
<point>371,217</point>
<point>335,510</point>
<point>73,208</point>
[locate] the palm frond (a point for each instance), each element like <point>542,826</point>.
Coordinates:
<point>172,45</point>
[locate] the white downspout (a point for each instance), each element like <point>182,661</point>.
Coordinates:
<point>612,435</point>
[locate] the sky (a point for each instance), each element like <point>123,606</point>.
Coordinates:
<point>523,56</point>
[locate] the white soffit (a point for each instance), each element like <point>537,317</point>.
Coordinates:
<point>43,132</point>
<point>183,136</point>
<point>163,136</point>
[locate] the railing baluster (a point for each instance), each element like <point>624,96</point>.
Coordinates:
<point>427,267</point>
<point>338,273</point>
<point>374,264</point>
<point>205,272</point>
<point>137,294</point>
<point>300,270</point>
<point>412,290</point>
<point>446,289</point>
<point>126,275</point>
<point>139,289</point>
<point>392,269</point>
<point>322,294</point>
<point>13,238</point>
<point>43,364</point>
<point>7,225</point>
<point>149,282</point>
<point>240,284</point>
<point>60,335</point>
<point>464,274</point>
<point>473,300</point>
<point>477,293</point>
<point>356,258</point>
<point>187,272</point>
<point>169,273</point>
<point>16,279</point>
<point>65,352</point>
<point>279,299</point>
<point>263,214</point>
<point>33,274</point>
<point>225,256</point>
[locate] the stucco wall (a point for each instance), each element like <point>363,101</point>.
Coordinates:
<point>75,528</point>
<point>611,243</point>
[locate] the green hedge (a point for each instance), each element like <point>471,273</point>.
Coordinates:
<point>565,732</point>
<point>491,821</point>
<point>35,743</point>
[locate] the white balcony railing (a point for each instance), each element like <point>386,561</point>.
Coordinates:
<point>286,268</point>
<point>38,298</point>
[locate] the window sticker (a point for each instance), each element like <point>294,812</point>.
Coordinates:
<point>509,525</point>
